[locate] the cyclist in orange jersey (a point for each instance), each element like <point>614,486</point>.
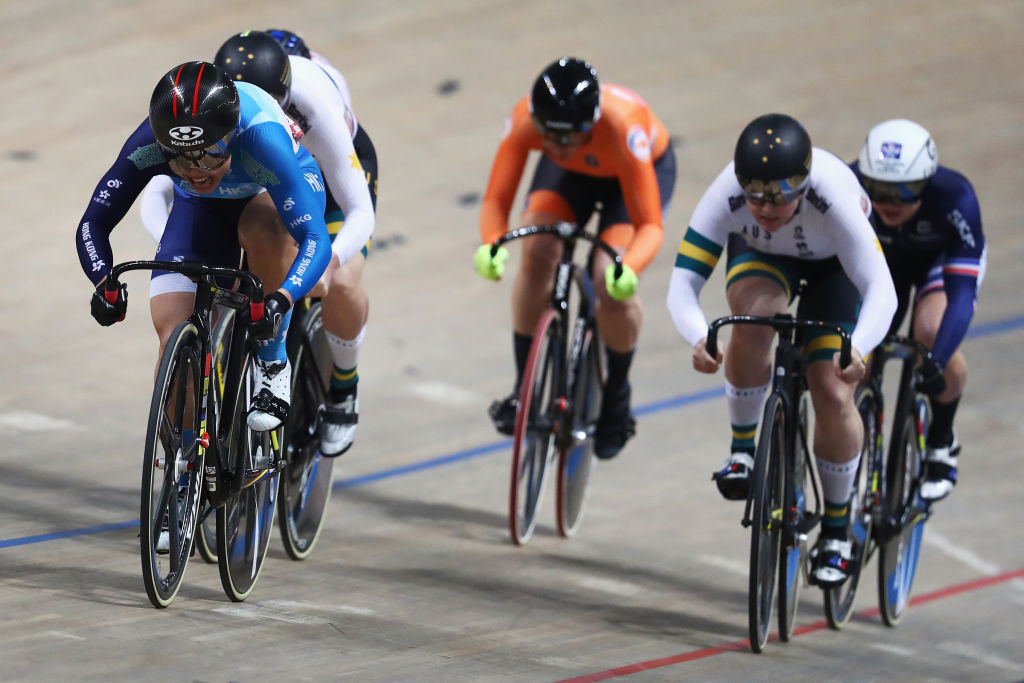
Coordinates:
<point>604,151</point>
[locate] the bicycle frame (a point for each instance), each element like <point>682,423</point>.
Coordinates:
<point>789,381</point>
<point>214,428</point>
<point>910,353</point>
<point>569,234</point>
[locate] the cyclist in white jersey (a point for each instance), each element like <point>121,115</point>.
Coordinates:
<point>316,97</point>
<point>789,213</point>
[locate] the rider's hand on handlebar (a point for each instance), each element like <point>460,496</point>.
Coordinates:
<point>490,267</point>
<point>855,371</point>
<point>275,306</point>
<point>107,313</point>
<point>702,361</point>
<point>932,381</point>
<point>622,287</point>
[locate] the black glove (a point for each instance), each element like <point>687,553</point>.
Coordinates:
<point>107,313</point>
<point>274,308</point>
<point>932,382</point>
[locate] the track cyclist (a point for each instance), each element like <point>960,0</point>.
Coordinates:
<point>316,96</point>
<point>928,221</point>
<point>789,212</point>
<point>603,149</point>
<point>241,182</point>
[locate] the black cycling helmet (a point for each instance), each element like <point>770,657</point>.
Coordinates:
<point>194,108</point>
<point>773,159</point>
<point>566,98</point>
<point>292,44</point>
<point>256,57</point>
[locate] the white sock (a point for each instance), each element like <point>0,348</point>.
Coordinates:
<point>837,479</point>
<point>345,352</point>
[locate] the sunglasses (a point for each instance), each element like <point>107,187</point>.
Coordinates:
<point>893,193</point>
<point>207,159</point>
<point>777,192</point>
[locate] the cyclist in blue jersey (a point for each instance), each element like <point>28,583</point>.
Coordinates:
<point>316,96</point>
<point>928,221</point>
<point>241,182</point>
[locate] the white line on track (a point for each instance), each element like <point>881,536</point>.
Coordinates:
<point>731,566</point>
<point>973,652</point>
<point>254,611</point>
<point>447,394</point>
<point>964,556</point>
<point>28,421</point>
<point>611,586</point>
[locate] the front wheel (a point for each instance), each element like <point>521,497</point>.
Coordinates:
<point>172,467</point>
<point>576,460</point>
<point>245,521</point>
<point>766,516</point>
<point>904,515</point>
<point>839,600</point>
<point>793,552</point>
<point>306,481</point>
<point>536,422</point>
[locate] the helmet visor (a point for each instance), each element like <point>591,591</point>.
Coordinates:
<point>760,192</point>
<point>563,134</point>
<point>206,159</point>
<point>893,193</point>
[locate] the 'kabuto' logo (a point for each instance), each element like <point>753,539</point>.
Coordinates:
<point>185,133</point>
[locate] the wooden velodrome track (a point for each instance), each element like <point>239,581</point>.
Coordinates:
<point>414,578</point>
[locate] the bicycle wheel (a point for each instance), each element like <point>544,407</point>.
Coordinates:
<point>839,600</point>
<point>245,522</point>
<point>534,435</point>
<point>305,487</point>
<point>767,496</point>
<point>206,538</point>
<point>172,467</point>
<point>793,553</point>
<point>898,553</point>
<point>576,459</point>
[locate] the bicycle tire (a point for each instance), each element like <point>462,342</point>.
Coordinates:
<point>577,460</point>
<point>767,499</point>
<point>206,538</point>
<point>793,551</point>
<point>305,484</point>
<point>245,522</point>
<point>172,483</point>
<point>839,600</point>
<point>898,555</point>
<point>534,437</point>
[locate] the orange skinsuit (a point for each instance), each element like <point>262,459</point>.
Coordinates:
<point>625,141</point>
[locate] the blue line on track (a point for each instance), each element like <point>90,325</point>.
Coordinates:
<point>977,331</point>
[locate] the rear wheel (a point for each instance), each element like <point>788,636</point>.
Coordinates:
<point>793,553</point>
<point>172,467</point>
<point>839,600</point>
<point>245,522</point>
<point>305,487</point>
<point>536,420</point>
<point>767,484</point>
<point>576,460</point>
<point>904,513</point>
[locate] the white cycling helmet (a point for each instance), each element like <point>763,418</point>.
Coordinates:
<point>896,161</point>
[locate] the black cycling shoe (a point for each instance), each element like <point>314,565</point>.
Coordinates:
<point>503,414</point>
<point>615,427</point>
<point>733,479</point>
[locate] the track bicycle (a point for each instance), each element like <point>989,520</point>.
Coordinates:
<point>784,479</point>
<point>893,502</point>
<point>560,397</point>
<point>198,445</point>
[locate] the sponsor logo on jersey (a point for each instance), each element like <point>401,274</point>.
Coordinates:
<point>639,143</point>
<point>300,220</point>
<point>736,203</point>
<point>314,181</point>
<point>288,204</point>
<point>817,201</point>
<point>962,226</point>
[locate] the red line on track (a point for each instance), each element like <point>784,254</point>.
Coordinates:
<point>939,594</point>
